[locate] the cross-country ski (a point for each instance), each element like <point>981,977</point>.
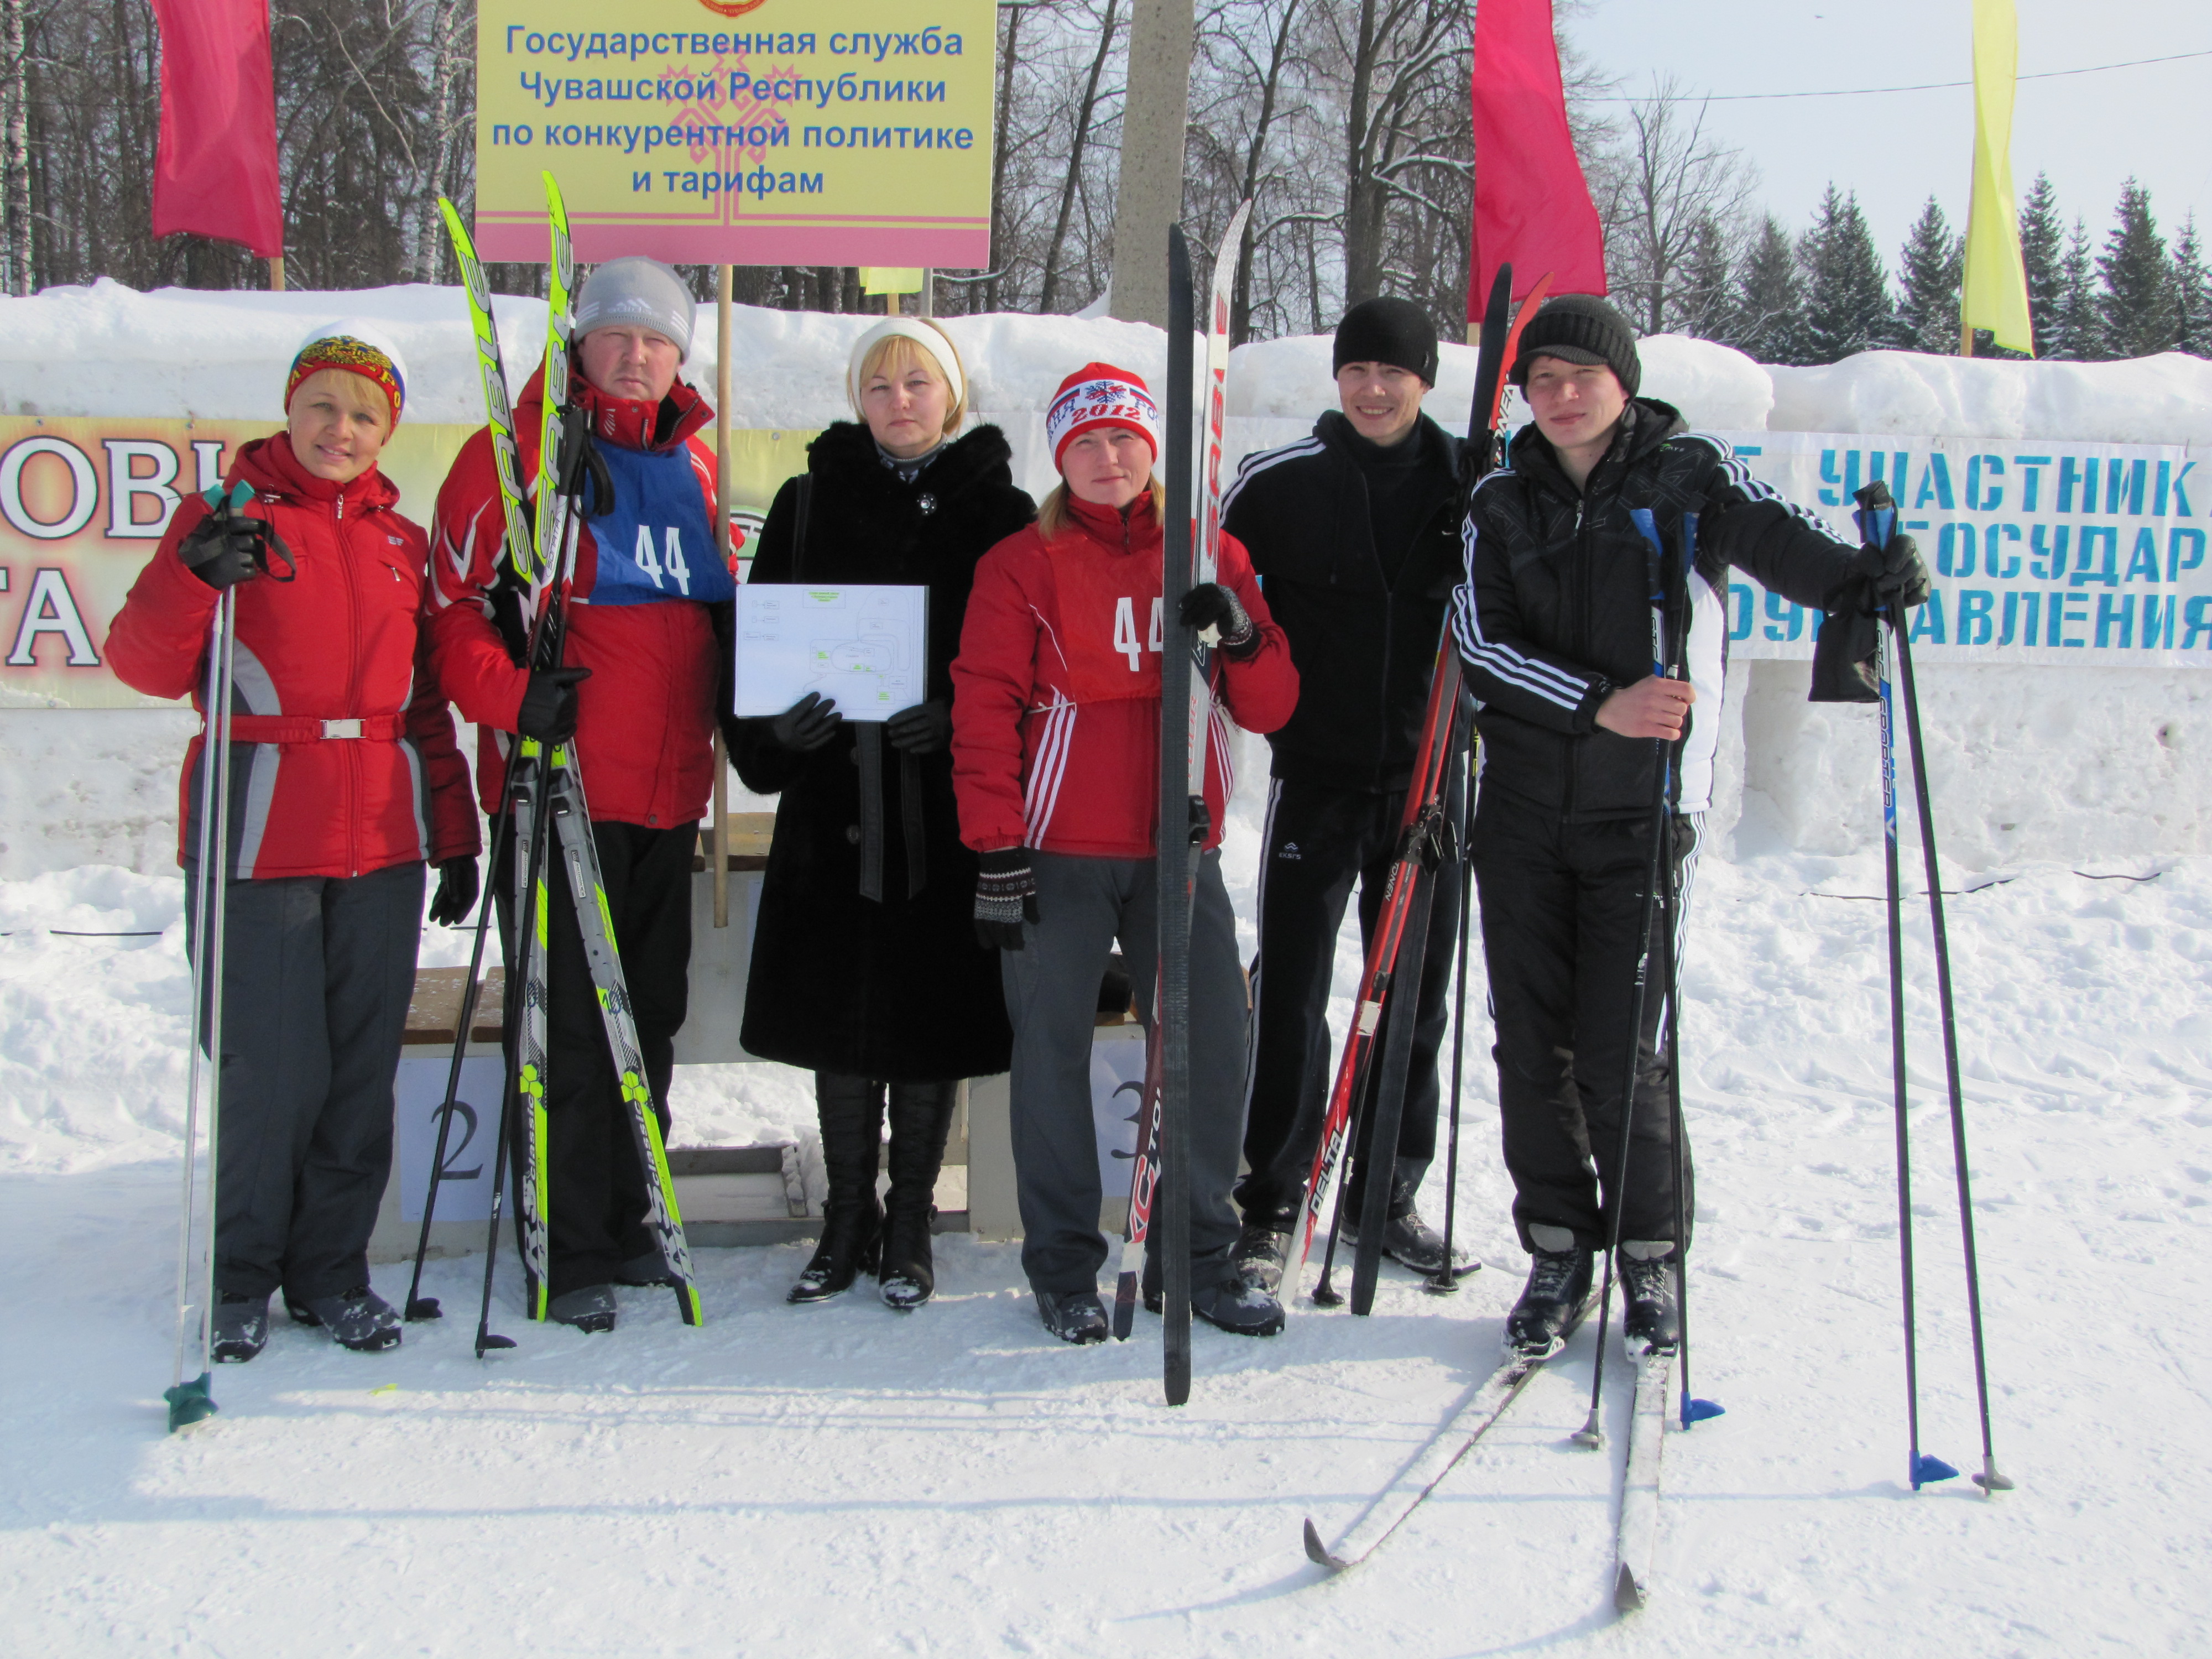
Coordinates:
<point>827,832</point>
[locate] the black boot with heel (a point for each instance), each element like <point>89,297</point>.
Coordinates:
<point>922,1117</point>
<point>851,1111</point>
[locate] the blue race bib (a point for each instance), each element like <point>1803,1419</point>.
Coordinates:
<point>659,543</point>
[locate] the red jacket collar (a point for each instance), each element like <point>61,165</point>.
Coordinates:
<point>1139,530</point>
<point>629,422</point>
<point>271,467</point>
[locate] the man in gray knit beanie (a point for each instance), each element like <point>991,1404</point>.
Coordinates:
<point>637,293</point>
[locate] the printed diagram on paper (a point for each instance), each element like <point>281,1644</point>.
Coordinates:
<point>865,648</point>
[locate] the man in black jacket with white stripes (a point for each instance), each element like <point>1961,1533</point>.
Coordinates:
<point>1355,534</point>
<point>1555,624</point>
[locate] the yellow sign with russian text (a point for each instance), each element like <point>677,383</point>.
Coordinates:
<point>738,131</point>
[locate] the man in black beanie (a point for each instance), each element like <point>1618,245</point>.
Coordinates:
<point>1355,532</point>
<point>1603,490</point>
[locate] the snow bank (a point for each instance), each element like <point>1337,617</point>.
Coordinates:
<point>2166,400</point>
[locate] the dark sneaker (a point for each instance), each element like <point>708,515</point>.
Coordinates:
<point>358,1319</point>
<point>642,1270</point>
<point>1073,1316</point>
<point>1651,1318</point>
<point>1559,1281</point>
<point>1236,1305</point>
<point>1411,1242</point>
<point>241,1329</point>
<point>589,1309</point>
<point>1262,1253</point>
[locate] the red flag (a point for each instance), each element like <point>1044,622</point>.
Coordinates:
<point>1531,206</point>
<point>215,170</point>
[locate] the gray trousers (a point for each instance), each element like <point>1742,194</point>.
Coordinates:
<point>316,976</point>
<point>1083,905</point>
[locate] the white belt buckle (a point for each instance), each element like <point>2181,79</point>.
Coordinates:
<point>342,728</point>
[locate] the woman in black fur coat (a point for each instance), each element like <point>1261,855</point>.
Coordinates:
<point>865,967</point>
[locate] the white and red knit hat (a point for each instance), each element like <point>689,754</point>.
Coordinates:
<point>1099,394</point>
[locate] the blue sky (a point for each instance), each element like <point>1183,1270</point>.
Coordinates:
<point>2089,131</point>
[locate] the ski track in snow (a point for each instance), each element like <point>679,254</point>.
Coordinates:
<point>847,1479</point>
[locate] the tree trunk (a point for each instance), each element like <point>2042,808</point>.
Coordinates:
<point>1240,304</point>
<point>1363,195</point>
<point>429,241</point>
<point>1049,294</point>
<point>1008,57</point>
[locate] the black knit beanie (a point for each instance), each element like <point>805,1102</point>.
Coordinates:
<point>1580,328</point>
<point>1393,332</point>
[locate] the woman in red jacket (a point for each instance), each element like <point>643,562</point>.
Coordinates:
<point>344,779</point>
<point>1056,766</point>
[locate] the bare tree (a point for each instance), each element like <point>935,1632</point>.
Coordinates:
<point>1674,201</point>
<point>1049,293</point>
<point>14,150</point>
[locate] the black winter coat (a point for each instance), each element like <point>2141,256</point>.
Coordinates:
<point>1556,612</point>
<point>1365,647</point>
<point>896,990</point>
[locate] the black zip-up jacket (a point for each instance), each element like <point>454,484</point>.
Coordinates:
<point>1365,647</point>
<point>1555,614</point>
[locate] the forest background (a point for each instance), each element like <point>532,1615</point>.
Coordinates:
<point>1343,120</point>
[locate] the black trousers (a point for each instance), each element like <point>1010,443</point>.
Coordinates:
<point>1317,840</point>
<point>595,1206</point>
<point>1561,905</point>
<point>317,972</point>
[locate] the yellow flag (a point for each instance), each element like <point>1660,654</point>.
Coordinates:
<point>1994,294</point>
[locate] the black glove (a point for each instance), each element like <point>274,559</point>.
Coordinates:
<point>1005,892</point>
<point>1899,574</point>
<point>457,891</point>
<point>807,724</point>
<point>1210,604</point>
<point>223,550</point>
<point>549,706</point>
<point>921,730</point>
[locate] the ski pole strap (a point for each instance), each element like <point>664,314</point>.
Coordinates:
<point>308,728</point>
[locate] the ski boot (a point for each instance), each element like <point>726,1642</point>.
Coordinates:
<point>590,1309</point>
<point>1262,1253</point>
<point>1651,1321</point>
<point>358,1319</point>
<point>1077,1317</point>
<point>241,1328</point>
<point>1559,1282</point>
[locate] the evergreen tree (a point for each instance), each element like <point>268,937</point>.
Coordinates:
<point>1705,299</point>
<point>2042,248</point>
<point>1929,273</point>
<point>1847,306</point>
<point>2137,278</point>
<point>2192,293</point>
<point>2077,326</point>
<point>1766,305</point>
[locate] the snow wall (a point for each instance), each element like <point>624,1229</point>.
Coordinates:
<point>2085,765</point>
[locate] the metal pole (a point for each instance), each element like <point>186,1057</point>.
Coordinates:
<point>724,278</point>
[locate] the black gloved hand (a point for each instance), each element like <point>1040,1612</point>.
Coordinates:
<point>549,706</point>
<point>457,891</point>
<point>1210,604</point>
<point>1005,892</point>
<point>223,550</point>
<point>921,730</point>
<point>807,724</point>
<point>1899,574</point>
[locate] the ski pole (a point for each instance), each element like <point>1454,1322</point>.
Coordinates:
<point>527,780</point>
<point>1989,1480</point>
<point>1325,1295</point>
<point>1692,1410</point>
<point>1877,520</point>
<point>419,1306</point>
<point>1445,1281</point>
<point>191,1402</point>
<point>1592,1432</point>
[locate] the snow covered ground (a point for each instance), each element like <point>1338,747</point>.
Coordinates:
<point>844,1479</point>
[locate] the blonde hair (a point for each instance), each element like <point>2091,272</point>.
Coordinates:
<point>896,354</point>
<point>1054,516</point>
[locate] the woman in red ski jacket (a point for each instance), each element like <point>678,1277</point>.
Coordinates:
<point>1055,745</point>
<point>345,781</point>
<point>636,694</point>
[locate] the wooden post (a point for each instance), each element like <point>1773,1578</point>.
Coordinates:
<point>1148,197</point>
<point>277,274</point>
<point>721,839</point>
<point>927,305</point>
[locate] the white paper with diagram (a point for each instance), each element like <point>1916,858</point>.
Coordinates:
<point>865,647</point>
